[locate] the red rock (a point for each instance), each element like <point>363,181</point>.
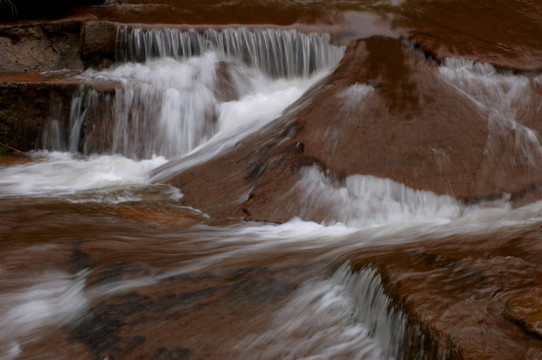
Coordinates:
<point>503,33</point>
<point>525,311</point>
<point>99,43</point>
<point>410,126</point>
<point>477,295</point>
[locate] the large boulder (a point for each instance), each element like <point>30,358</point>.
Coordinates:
<point>386,111</point>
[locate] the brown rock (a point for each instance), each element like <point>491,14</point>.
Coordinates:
<point>41,46</point>
<point>468,292</point>
<point>500,32</point>
<point>526,312</point>
<point>384,111</point>
<point>99,43</point>
<point>25,120</point>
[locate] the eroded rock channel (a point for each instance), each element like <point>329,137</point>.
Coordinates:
<point>272,180</point>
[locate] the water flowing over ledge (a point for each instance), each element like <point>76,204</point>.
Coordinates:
<point>277,53</point>
<point>346,316</point>
<point>176,107</point>
<point>191,88</point>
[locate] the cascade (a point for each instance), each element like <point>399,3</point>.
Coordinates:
<point>505,100</point>
<point>188,88</point>
<point>59,136</point>
<point>364,200</point>
<point>345,316</point>
<point>100,251</point>
<point>275,52</point>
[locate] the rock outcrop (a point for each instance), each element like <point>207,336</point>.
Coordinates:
<point>478,295</point>
<point>25,107</point>
<point>394,108</point>
<point>385,111</point>
<point>41,46</point>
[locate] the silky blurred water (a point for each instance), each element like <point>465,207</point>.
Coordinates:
<point>81,231</point>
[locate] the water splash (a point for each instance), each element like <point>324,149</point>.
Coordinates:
<point>189,88</point>
<point>240,118</point>
<point>164,107</point>
<point>365,201</point>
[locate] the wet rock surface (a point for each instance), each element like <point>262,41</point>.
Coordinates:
<point>472,298</point>
<point>386,111</point>
<point>25,123</point>
<point>468,29</point>
<point>479,298</point>
<point>52,94</point>
<point>499,32</point>
<point>166,312</point>
<point>41,47</point>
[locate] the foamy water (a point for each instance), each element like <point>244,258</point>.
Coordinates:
<point>191,87</point>
<point>109,178</point>
<point>172,106</point>
<point>240,118</point>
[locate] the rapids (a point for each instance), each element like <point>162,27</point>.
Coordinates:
<point>101,255</point>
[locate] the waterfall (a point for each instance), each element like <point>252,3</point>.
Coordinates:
<point>164,107</point>
<point>59,136</point>
<point>346,316</point>
<point>277,53</point>
<point>364,200</point>
<point>174,90</point>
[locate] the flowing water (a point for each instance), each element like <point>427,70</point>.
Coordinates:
<point>88,229</point>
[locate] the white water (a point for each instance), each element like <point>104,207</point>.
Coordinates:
<point>191,106</point>
<point>240,118</point>
<point>363,200</point>
<point>173,103</point>
<point>50,300</point>
<point>110,178</point>
<point>171,107</point>
<point>330,319</point>
<point>277,53</point>
<point>505,101</point>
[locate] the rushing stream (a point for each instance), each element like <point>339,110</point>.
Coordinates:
<point>109,243</point>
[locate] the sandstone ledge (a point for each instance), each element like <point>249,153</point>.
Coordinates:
<point>478,299</point>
